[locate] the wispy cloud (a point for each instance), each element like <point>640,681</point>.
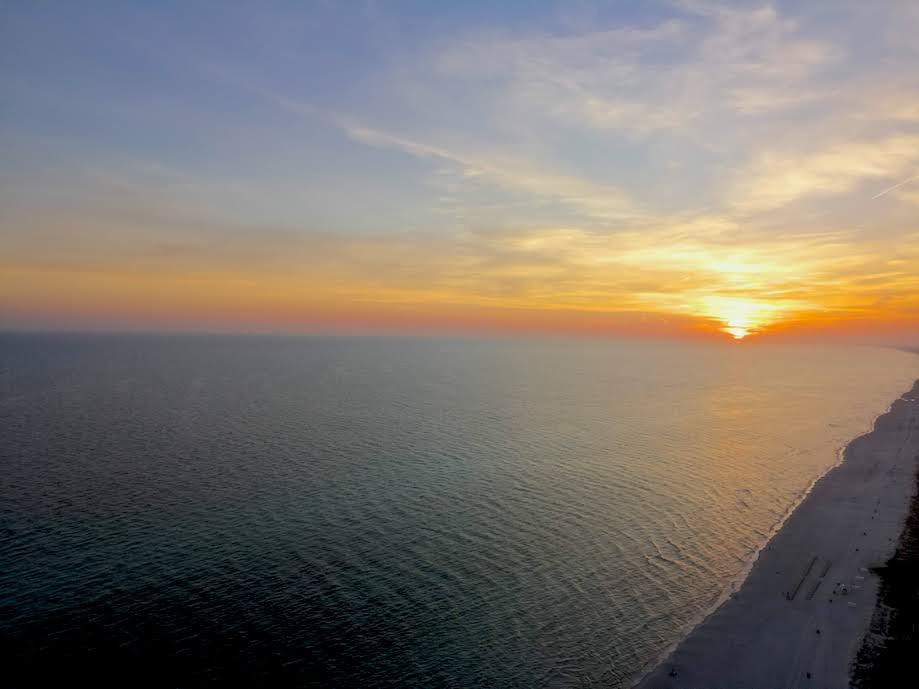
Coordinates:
<point>594,200</point>
<point>778,179</point>
<point>672,76</point>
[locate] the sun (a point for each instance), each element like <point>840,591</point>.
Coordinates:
<point>736,333</point>
<point>740,317</point>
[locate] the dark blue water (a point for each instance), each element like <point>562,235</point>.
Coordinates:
<point>204,511</point>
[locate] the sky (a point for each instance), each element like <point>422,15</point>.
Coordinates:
<point>678,168</point>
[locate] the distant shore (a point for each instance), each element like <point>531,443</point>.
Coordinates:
<point>802,617</point>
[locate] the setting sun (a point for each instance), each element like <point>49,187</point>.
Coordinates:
<point>736,333</point>
<point>741,317</point>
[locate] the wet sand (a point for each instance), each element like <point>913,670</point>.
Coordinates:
<point>801,615</point>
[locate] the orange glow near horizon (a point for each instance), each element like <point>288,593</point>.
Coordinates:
<point>225,302</point>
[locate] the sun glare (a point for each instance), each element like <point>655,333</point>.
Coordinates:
<point>740,317</point>
<point>736,333</point>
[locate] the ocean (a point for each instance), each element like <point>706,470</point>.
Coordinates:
<point>190,511</point>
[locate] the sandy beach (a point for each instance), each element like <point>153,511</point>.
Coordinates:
<point>799,618</point>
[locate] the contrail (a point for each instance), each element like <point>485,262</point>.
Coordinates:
<point>895,186</point>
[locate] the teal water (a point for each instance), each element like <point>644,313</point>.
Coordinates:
<point>383,512</point>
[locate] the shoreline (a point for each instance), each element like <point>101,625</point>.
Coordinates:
<point>775,625</point>
<point>738,581</point>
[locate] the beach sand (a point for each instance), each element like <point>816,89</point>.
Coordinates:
<point>799,618</point>
<point>888,652</point>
